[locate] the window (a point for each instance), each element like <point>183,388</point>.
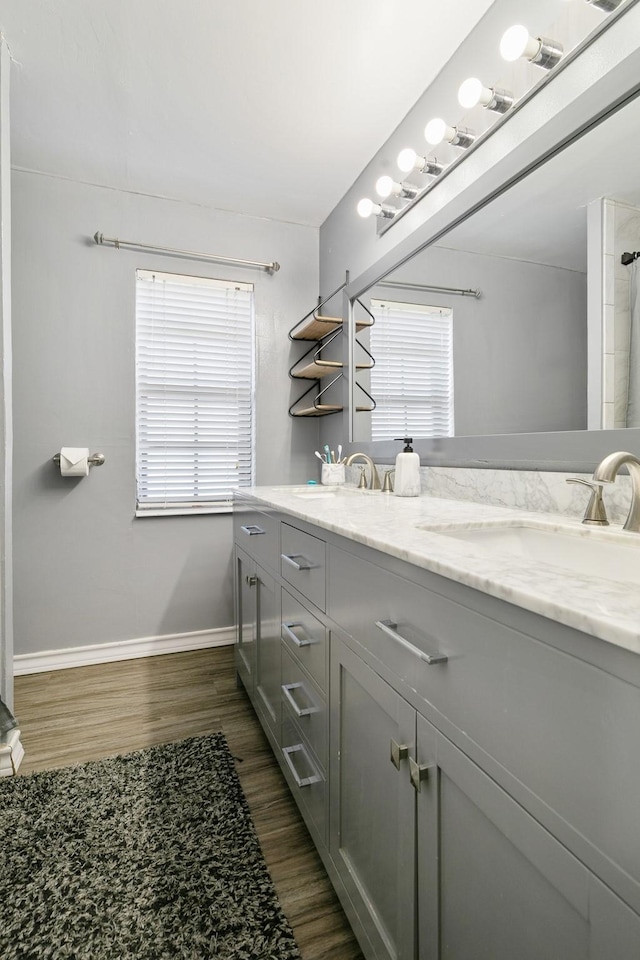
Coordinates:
<point>194,392</point>
<point>412,380</point>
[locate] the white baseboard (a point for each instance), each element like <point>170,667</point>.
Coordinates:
<point>11,753</point>
<point>120,650</point>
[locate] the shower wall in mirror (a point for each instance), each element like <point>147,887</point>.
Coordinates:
<point>545,258</point>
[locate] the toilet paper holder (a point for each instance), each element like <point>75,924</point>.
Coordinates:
<point>95,460</point>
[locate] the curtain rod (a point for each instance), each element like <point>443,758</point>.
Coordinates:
<point>189,254</point>
<point>420,286</point>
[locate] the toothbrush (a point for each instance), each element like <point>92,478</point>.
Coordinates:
<point>327,453</point>
<point>339,460</point>
<point>320,456</point>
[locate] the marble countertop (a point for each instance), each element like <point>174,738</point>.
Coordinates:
<point>605,608</point>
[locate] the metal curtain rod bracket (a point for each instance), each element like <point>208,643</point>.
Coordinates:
<point>456,291</point>
<point>628,258</point>
<point>100,239</point>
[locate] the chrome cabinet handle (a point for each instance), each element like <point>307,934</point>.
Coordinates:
<point>293,559</point>
<point>299,711</point>
<point>301,781</point>
<point>251,580</point>
<point>419,772</point>
<point>391,630</point>
<point>287,631</point>
<point>399,752</point>
<point>252,530</point>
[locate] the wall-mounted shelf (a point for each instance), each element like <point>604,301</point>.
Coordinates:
<point>316,366</point>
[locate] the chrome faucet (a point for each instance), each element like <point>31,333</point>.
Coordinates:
<point>607,471</point>
<point>375,479</point>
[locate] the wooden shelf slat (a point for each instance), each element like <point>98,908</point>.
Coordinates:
<point>315,328</point>
<point>315,369</point>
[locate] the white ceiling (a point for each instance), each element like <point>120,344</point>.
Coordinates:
<point>265,107</point>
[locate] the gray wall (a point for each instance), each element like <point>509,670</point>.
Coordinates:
<point>87,571</point>
<point>520,350</point>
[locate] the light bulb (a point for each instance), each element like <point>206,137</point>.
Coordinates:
<point>437,131</point>
<point>409,160</point>
<point>517,43</point>
<point>366,207</point>
<point>385,187</point>
<point>470,93</point>
<point>473,92</point>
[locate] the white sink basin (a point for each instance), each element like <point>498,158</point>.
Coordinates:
<point>612,556</point>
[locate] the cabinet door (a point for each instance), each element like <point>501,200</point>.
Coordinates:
<point>372,804</point>
<point>267,653</point>
<point>505,888</point>
<point>246,618</point>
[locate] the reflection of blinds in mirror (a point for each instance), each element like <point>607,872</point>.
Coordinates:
<point>412,381</point>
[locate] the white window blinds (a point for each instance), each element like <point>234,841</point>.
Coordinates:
<point>412,380</point>
<point>194,391</point>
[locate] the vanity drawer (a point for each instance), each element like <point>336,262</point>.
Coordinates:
<point>306,703</point>
<point>302,563</point>
<point>257,534</point>
<point>304,777</point>
<point>304,636</point>
<point>533,716</point>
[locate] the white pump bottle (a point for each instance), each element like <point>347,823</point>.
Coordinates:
<point>407,476</point>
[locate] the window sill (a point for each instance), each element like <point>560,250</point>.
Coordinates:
<point>184,511</point>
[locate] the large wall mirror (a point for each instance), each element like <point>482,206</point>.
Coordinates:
<point>508,308</point>
<point>511,264</point>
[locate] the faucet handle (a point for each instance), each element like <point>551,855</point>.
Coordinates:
<point>362,482</point>
<point>387,484</point>
<point>595,512</point>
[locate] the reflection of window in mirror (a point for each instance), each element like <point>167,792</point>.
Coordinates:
<point>412,380</point>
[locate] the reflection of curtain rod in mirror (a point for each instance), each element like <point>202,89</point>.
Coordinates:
<point>628,258</point>
<point>456,291</point>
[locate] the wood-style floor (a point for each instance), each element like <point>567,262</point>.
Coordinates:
<point>69,716</point>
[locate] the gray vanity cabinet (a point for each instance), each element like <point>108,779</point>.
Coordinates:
<point>467,769</point>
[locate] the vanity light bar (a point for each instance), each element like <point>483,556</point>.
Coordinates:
<point>516,43</point>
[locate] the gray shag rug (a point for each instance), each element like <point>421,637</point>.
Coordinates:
<point>150,855</point>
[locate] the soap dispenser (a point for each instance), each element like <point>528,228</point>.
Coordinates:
<point>407,482</point>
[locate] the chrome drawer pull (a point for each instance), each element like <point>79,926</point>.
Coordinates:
<point>293,559</point>
<point>398,753</point>
<point>252,530</point>
<point>391,630</point>
<point>418,773</point>
<point>299,711</point>
<point>301,781</point>
<point>287,632</point>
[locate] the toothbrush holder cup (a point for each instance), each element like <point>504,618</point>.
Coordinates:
<point>332,474</point>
